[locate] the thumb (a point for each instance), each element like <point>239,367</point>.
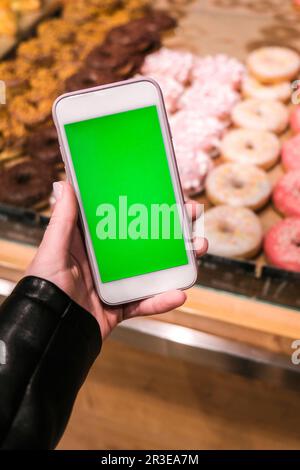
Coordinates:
<point>59,233</point>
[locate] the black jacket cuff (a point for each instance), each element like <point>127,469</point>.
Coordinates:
<point>51,343</point>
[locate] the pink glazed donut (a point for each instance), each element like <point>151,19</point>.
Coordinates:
<point>286,195</point>
<point>295,119</point>
<point>290,154</point>
<point>282,244</point>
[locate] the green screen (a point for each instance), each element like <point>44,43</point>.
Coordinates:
<point>122,157</point>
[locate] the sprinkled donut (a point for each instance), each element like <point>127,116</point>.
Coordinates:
<point>193,167</point>
<point>274,64</point>
<point>267,115</point>
<point>173,63</point>
<point>218,68</point>
<point>171,89</point>
<point>203,132</point>
<point>233,232</point>
<point>238,185</point>
<point>286,195</point>
<point>290,154</point>
<point>282,244</point>
<point>252,88</point>
<point>250,146</point>
<point>295,119</point>
<point>217,101</point>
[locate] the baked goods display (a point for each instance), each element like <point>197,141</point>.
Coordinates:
<point>91,43</point>
<point>236,135</point>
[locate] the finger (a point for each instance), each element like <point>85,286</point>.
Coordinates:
<point>160,303</point>
<point>194,209</point>
<point>58,236</point>
<point>200,246</point>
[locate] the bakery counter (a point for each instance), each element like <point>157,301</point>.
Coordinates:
<point>214,328</point>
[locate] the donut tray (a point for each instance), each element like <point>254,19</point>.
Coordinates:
<point>238,277</point>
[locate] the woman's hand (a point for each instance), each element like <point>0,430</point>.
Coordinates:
<point>61,259</point>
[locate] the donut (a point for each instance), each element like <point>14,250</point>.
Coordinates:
<point>282,244</point>
<point>37,52</point>
<point>233,232</point>
<point>296,4</point>
<point>120,60</point>
<point>203,133</point>
<point>259,148</point>
<point>26,183</point>
<point>295,119</point>
<point>160,20</point>
<point>251,88</point>
<point>218,70</point>
<point>44,146</point>
<point>171,90</point>
<point>28,110</point>
<point>57,29</point>
<point>15,79</point>
<point>238,185</point>
<point>208,99</point>
<point>290,154</point>
<point>168,62</point>
<point>193,167</point>
<point>134,35</point>
<point>273,64</point>
<point>267,115</point>
<point>286,194</point>
<point>89,78</point>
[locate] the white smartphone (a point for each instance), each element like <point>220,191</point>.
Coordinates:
<point>118,154</point>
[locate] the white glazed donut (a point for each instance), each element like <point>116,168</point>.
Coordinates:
<point>238,185</point>
<point>273,64</point>
<point>251,88</point>
<point>267,115</point>
<point>261,148</point>
<point>233,232</point>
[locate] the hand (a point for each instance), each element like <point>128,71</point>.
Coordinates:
<point>61,259</point>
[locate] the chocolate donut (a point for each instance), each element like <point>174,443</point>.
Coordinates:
<point>89,78</point>
<point>134,35</point>
<point>158,20</point>
<point>26,183</point>
<point>44,145</point>
<point>117,59</point>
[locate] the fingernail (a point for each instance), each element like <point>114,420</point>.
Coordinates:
<point>58,190</point>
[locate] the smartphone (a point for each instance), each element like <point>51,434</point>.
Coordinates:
<point>117,149</point>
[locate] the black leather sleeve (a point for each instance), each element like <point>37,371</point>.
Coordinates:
<point>51,343</point>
